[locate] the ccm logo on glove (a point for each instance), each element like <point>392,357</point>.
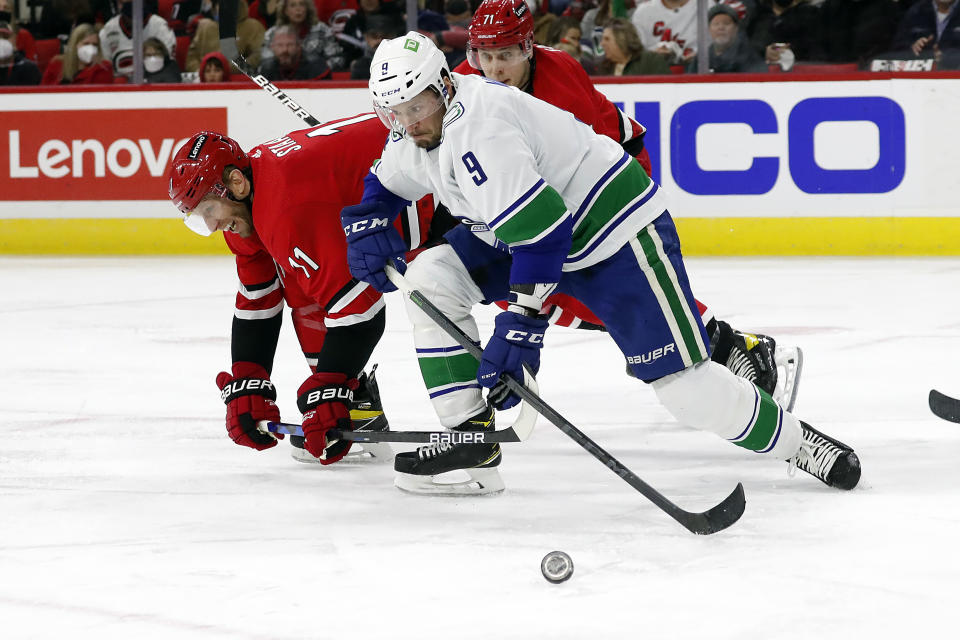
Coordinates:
<point>363,225</point>
<point>524,336</point>
<point>248,384</point>
<point>325,394</point>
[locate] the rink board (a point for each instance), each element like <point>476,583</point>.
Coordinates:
<point>859,166</point>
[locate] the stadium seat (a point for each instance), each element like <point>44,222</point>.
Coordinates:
<point>46,49</point>
<point>183,43</point>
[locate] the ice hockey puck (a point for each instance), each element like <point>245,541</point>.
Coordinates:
<point>556,567</point>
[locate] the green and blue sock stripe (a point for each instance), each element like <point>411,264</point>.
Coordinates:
<point>664,279</point>
<point>764,427</point>
<point>447,369</point>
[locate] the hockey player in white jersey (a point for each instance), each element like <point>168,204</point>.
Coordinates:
<point>552,207</point>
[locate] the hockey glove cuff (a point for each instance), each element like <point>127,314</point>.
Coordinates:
<point>249,396</point>
<point>517,340</point>
<point>372,241</point>
<point>325,399</point>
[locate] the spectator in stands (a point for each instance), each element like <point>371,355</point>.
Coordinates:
<point>565,35</point>
<point>21,39</point>
<point>214,68</point>
<point>379,28</point>
<point>930,27</point>
<point>288,60</point>
<point>115,37</point>
<point>267,11</point>
<point>668,28</point>
<point>15,69</point>
<point>458,14</point>
<point>317,40</point>
<point>623,53</point>
<point>594,20</point>
<point>60,17</point>
<point>81,62</point>
<point>250,37</point>
<point>352,36</point>
<point>158,66</point>
<point>788,30</point>
<point>729,50</point>
<point>856,31</point>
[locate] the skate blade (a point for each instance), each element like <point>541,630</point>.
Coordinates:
<point>478,483</point>
<point>368,452</point>
<point>789,361</point>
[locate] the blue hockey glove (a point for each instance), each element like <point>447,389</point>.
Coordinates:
<point>516,340</point>
<point>372,241</point>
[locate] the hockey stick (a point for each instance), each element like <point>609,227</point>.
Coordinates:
<point>944,406</point>
<point>420,437</point>
<point>715,519</point>
<point>228,47</point>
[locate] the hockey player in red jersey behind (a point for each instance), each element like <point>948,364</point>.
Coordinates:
<point>279,208</point>
<point>500,47</point>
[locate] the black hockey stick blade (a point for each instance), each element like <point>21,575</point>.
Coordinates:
<point>417,437</point>
<point>943,406</point>
<point>228,47</point>
<point>712,520</point>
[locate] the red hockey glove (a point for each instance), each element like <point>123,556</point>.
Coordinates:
<point>324,400</point>
<point>249,396</point>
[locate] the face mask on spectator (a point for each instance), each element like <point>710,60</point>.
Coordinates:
<point>6,49</point>
<point>153,63</point>
<point>86,52</point>
<point>6,16</point>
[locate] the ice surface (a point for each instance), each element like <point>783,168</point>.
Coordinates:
<point>125,512</point>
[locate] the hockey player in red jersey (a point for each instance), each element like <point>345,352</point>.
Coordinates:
<point>279,208</point>
<point>500,47</point>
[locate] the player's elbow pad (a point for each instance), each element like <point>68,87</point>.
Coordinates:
<point>542,261</point>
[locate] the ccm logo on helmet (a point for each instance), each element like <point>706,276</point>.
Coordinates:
<point>195,151</point>
<point>363,225</point>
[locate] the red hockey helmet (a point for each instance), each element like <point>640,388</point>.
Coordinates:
<point>498,24</point>
<point>197,168</point>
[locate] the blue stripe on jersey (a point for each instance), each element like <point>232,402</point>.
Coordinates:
<point>518,203</point>
<point>599,238</point>
<point>601,183</point>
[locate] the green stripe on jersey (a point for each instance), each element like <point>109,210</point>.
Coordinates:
<point>623,189</point>
<point>532,220</point>
<point>674,297</point>
<point>762,431</point>
<point>448,369</point>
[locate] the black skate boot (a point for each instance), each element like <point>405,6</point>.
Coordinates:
<point>416,469</point>
<point>366,413</point>
<point>832,462</point>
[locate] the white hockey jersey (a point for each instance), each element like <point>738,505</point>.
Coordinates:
<point>515,168</point>
<point>116,42</point>
<point>656,23</point>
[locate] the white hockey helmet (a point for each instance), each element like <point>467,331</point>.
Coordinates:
<point>401,69</point>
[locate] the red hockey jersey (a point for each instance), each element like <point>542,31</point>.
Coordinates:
<point>301,181</point>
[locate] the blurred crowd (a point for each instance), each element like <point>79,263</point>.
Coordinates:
<point>54,42</point>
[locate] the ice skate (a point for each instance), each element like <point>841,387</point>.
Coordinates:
<point>367,414</point>
<point>832,462</point>
<point>425,470</point>
<point>789,362</point>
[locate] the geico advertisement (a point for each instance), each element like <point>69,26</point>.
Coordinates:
<point>95,154</point>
